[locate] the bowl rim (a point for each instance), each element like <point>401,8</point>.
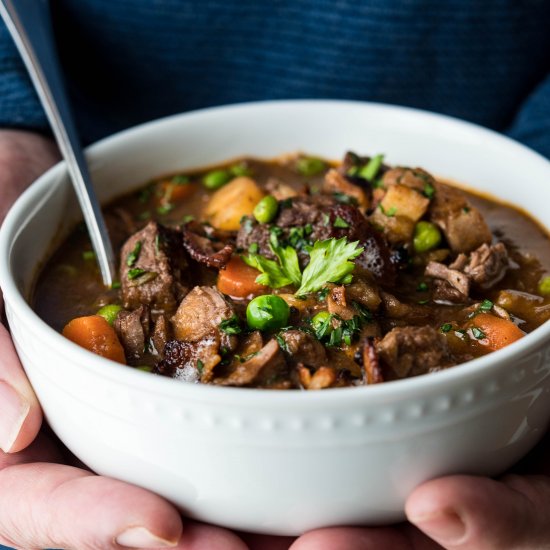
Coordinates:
<point>129,377</point>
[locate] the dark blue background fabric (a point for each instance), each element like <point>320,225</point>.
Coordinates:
<point>128,61</point>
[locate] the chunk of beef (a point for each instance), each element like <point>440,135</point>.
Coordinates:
<point>364,292</point>
<point>338,305</point>
<point>336,182</point>
<point>457,279</point>
<point>190,361</point>
<point>372,371</point>
<point>319,214</point>
<point>200,314</point>
<point>132,328</point>
<point>445,292</point>
<point>161,333</point>
<point>261,369</point>
<point>485,266</point>
<point>204,248</point>
<point>396,309</point>
<point>410,351</point>
<point>281,190</point>
<point>316,379</point>
<point>415,178</point>
<point>463,225</point>
<point>153,269</point>
<point>301,347</point>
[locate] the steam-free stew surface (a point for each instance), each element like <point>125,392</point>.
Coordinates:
<point>297,273</point>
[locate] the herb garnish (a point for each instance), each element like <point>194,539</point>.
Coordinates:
<point>428,190</point>
<point>446,327</point>
<point>340,223</point>
<point>231,325</point>
<point>88,255</point>
<point>478,333</point>
<point>422,287</point>
<point>200,366</point>
<point>135,273</point>
<point>330,261</point>
<point>133,256</point>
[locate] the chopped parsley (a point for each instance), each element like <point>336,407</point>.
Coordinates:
<point>165,208</point>
<point>180,179</point>
<point>133,256</point>
<point>371,169</point>
<point>344,199</point>
<point>340,223</point>
<point>116,285</point>
<point>390,212</point>
<point>253,248</point>
<point>485,306</point>
<point>187,218</point>
<point>330,261</point>
<point>135,273</point>
<point>478,333</point>
<point>446,327</point>
<point>422,287</point>
<point>200,366</point>
<point>231,325</point>
<point>428,190</point>
<point>88,255</point>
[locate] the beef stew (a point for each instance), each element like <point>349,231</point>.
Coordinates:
<point>302,273</point>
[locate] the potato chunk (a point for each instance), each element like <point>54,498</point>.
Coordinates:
<point>233,201</point>
<point>401,200</point>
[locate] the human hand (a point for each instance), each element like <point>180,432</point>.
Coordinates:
<point>461,513</point>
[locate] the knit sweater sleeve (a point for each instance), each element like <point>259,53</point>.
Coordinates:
<point>531,124</point>
<point>19,104</point>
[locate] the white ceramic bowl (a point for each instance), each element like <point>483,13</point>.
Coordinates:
<point>282,462</point>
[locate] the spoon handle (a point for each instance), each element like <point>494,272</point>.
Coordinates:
<point>30,26</point>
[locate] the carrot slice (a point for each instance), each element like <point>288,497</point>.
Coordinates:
<point>495,331</point>
<point>173,192</point>
<point>239,279</point>
<point>95,334</point>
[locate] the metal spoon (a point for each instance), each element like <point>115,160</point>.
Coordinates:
<point>30,26</point>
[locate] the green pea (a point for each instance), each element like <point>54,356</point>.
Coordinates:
<point>544,285</point>
<point>216,179</point>
<point>321,324</point>
<point>267,312</point>
<point>110,312</point>
<point>426,237</point>
<point>266,209</point>
<point>310,166</point>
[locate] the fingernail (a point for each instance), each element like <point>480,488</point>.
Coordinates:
<point>13,412</point>
<point>445,526</point>
<point>140,537</point>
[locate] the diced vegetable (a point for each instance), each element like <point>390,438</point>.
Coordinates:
<point>110,312</point>
<point>266,209</point>
<point>404,201</point>
<point>233,201</point>
<point>239,280</point>
<point>426,237</point>
<point>95,334</point>
<point>175,190</point>
<point>267,312</point>
<point>494,332</point>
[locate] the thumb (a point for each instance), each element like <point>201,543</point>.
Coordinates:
<point>465,512</point>
<point>20,414</point>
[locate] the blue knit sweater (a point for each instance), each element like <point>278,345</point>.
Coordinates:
<point>129,61</point>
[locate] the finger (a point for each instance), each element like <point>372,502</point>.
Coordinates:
<point>20,413</point>
<point>55,506</point>
<point>352,538</point>
<point>44,448</point>
<point>199,536</point>
<point>463,512</point>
